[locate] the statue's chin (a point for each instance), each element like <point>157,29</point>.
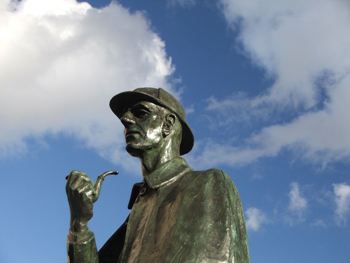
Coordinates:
<point>137,150</point>
<point>132,151</point>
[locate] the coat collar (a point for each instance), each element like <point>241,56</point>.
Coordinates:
<point>167,173</point>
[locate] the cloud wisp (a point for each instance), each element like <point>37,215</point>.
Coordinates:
<point>342,201</point>
<point>61,62</point>
<point>297,205</point>
<point>255,219</point>
<point>303,49</point>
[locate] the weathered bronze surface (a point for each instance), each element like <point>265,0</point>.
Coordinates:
<point>177,214</point>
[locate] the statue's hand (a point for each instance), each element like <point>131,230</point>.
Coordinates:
<point>79,189</point>
<point>82,193</point>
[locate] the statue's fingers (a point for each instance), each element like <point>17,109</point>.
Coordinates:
<point>78,182</point>
<point>71,180</point>
<point>84,188</point>
<point>90,193</point>
<point>73,175</point>
<point>76,178</point>
<point>69,177</point>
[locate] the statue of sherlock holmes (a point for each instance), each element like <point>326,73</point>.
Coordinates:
<point>177,215</point>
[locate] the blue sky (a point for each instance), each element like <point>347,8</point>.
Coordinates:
<point>266,88</point>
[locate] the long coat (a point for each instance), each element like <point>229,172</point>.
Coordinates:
<point>182,216</point>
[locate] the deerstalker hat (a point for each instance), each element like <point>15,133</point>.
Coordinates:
<point>122,101</point>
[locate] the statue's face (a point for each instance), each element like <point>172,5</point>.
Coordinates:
<point>143,124</point>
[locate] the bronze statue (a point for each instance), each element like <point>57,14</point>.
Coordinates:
<point>177,214</point>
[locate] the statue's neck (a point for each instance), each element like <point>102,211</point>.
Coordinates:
<point>152,159</point>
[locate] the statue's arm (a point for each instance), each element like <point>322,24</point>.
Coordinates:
<point>235,215</point>
<point>225,231</point>
<point>213,228</point>
<point>81,248</point>
<point>82,193</point>
<point>81,245</point>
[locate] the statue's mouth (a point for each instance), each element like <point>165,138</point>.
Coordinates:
<point>129,132</point>
<point>132,133</point>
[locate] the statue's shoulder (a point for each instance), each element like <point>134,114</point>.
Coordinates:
<point>211,174</point>
<point>213,178</point>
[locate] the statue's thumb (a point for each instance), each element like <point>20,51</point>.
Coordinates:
<point>98,184</point>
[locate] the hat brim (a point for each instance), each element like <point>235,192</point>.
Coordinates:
<point>123,101</point>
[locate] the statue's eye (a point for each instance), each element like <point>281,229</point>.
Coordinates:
<point>140,112</point>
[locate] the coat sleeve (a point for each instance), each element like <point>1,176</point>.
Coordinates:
<point>82,248</point>
<point>211,227</point>
<point>84,251</point>
<point>238,235</point>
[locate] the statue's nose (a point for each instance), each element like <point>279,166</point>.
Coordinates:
<point>127,119</point>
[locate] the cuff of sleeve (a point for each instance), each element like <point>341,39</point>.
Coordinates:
<point>81,247</point>
<point>80,237</point>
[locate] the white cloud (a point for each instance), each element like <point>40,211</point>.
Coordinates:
<point>61,62</point>
<point>255,218</point>
<point>303,49</point>
<point>294,42</point>
<point>213,154</point>
<point>237,108</point>
<point>319,223</point>
<point>342,201</point>
<point>297,203</point>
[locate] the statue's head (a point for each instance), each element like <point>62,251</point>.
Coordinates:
<point>153,119</point>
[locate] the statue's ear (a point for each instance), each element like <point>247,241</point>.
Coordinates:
<point>169,123</point>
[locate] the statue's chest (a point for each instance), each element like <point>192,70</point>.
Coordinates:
<point>152,224</point>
